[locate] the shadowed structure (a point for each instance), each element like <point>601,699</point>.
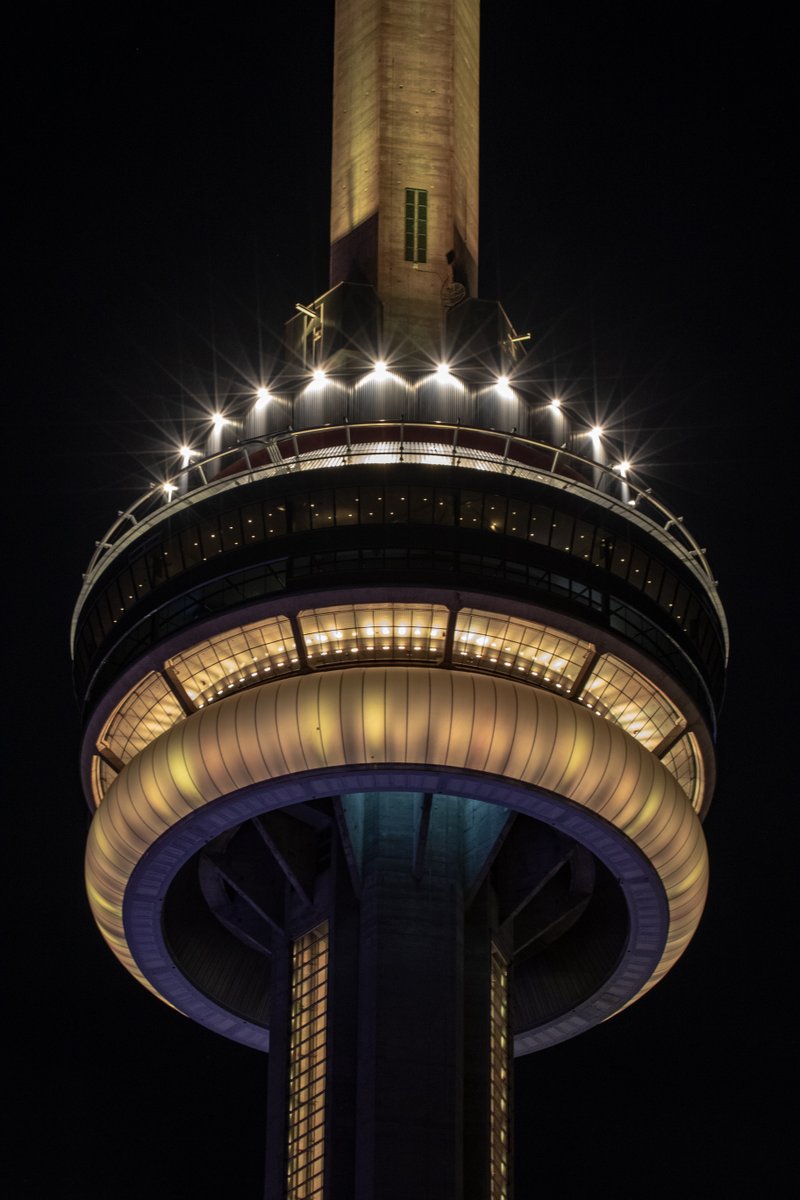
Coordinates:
<point>399,711</point>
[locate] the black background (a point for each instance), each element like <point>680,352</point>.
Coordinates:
<point>168,188</point>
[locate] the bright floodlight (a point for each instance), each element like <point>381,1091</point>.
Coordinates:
<point>380,370</point>
<point>218,420</point>
<point>443,371</point>
<point>262,397</point>
<point>186,453</point>
<point>168,489</point>
<point>555,403</point>
<point>623,467</point>
<point>596,432</point>
<point>319,375</point>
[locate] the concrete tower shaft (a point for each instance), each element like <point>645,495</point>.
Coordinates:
<point>404,183</point>
<point>399,711</point>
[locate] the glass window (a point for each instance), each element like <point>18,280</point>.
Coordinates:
<point>500,1080</point>
<point>321,509</point>
<point>683,760</point>
<point>444,507</point>
<point>621,559</point>
<point>350,633</point>
<point>102,778</point>
<point>519,513</point>
<point>562,527</point>
<point>371,505</point>
<point>396,507</point>
<point>494,513</point>
<point>347,506</point>
<point>653,578</point>
<point>210,537</point>
<point>470,509</point>
<point>541,521</point>
<point>526,650</point>
<point>416,225</point>
<point>147,711</point>
<point>308,1032</point>
<point>252,523</point>
<point>617,692</point>
<point>420,506</point>
<point>237,659</point>
<point>231,530</point>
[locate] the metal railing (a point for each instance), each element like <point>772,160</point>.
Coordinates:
<point>400,441</point>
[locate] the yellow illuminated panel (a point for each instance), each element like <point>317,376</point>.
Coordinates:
<point>307,1065</point>
<point>531,652</point>
<point>148,709</point>
<point>625,696</point>
<point>684,761</point>
<point>499,1082</point>
<point>238,658</point>
<point>358,632</point>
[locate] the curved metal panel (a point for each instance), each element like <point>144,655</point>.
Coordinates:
<point>375,716</point>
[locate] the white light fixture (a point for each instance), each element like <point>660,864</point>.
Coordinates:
<point>319,375</point>
<point>186,453</point>
<point>262,397</point>
<point>379,369</point>
<point>443,371</point>
<point>555,403</point>
<point>168,489</point>
<point>218,420</point>
<point>596,432</point>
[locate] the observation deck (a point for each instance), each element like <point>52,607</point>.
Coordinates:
<point>432,522</point>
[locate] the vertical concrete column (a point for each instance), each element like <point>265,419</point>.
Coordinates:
<point>405,120</point>
<point>410,1112</point>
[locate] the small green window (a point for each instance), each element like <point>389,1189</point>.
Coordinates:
<point>416,225</point>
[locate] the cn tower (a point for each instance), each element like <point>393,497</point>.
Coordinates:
<point>400,696</point>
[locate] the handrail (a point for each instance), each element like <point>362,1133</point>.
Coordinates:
<point>213,475</point>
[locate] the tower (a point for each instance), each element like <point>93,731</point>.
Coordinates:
<point>399,708</point>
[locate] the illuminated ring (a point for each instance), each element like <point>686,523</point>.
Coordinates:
<point>411,728</point>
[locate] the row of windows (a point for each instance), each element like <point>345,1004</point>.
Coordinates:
<point>499,1108</point>
<point>424,634</point>
<point>268,579</point>
<point>330,508</point>
<point>307,1066</point>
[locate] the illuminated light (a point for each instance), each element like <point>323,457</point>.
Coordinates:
<point>319,375</point>
<point>623,467</point>
<point>169,489</point>
<point>596,432</point>
<point>379,369</point>
<point>262,397</point>
<point>186,453</point>
<point>443,371</point>
<point>555,403</point>
<point>218,420</point>
<point>504,387</point>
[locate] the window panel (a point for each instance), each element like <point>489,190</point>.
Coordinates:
<point>102,778</point>
<point>307,1066</point>
<point>347,506</point>
<point>621,694</point>
<point>364,632</point>
<point>241,657</point>
<point>684,761</point>
<point>148,710</point>
<point>523,649</point>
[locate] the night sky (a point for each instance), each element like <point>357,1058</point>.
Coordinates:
<point>169,189</point>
